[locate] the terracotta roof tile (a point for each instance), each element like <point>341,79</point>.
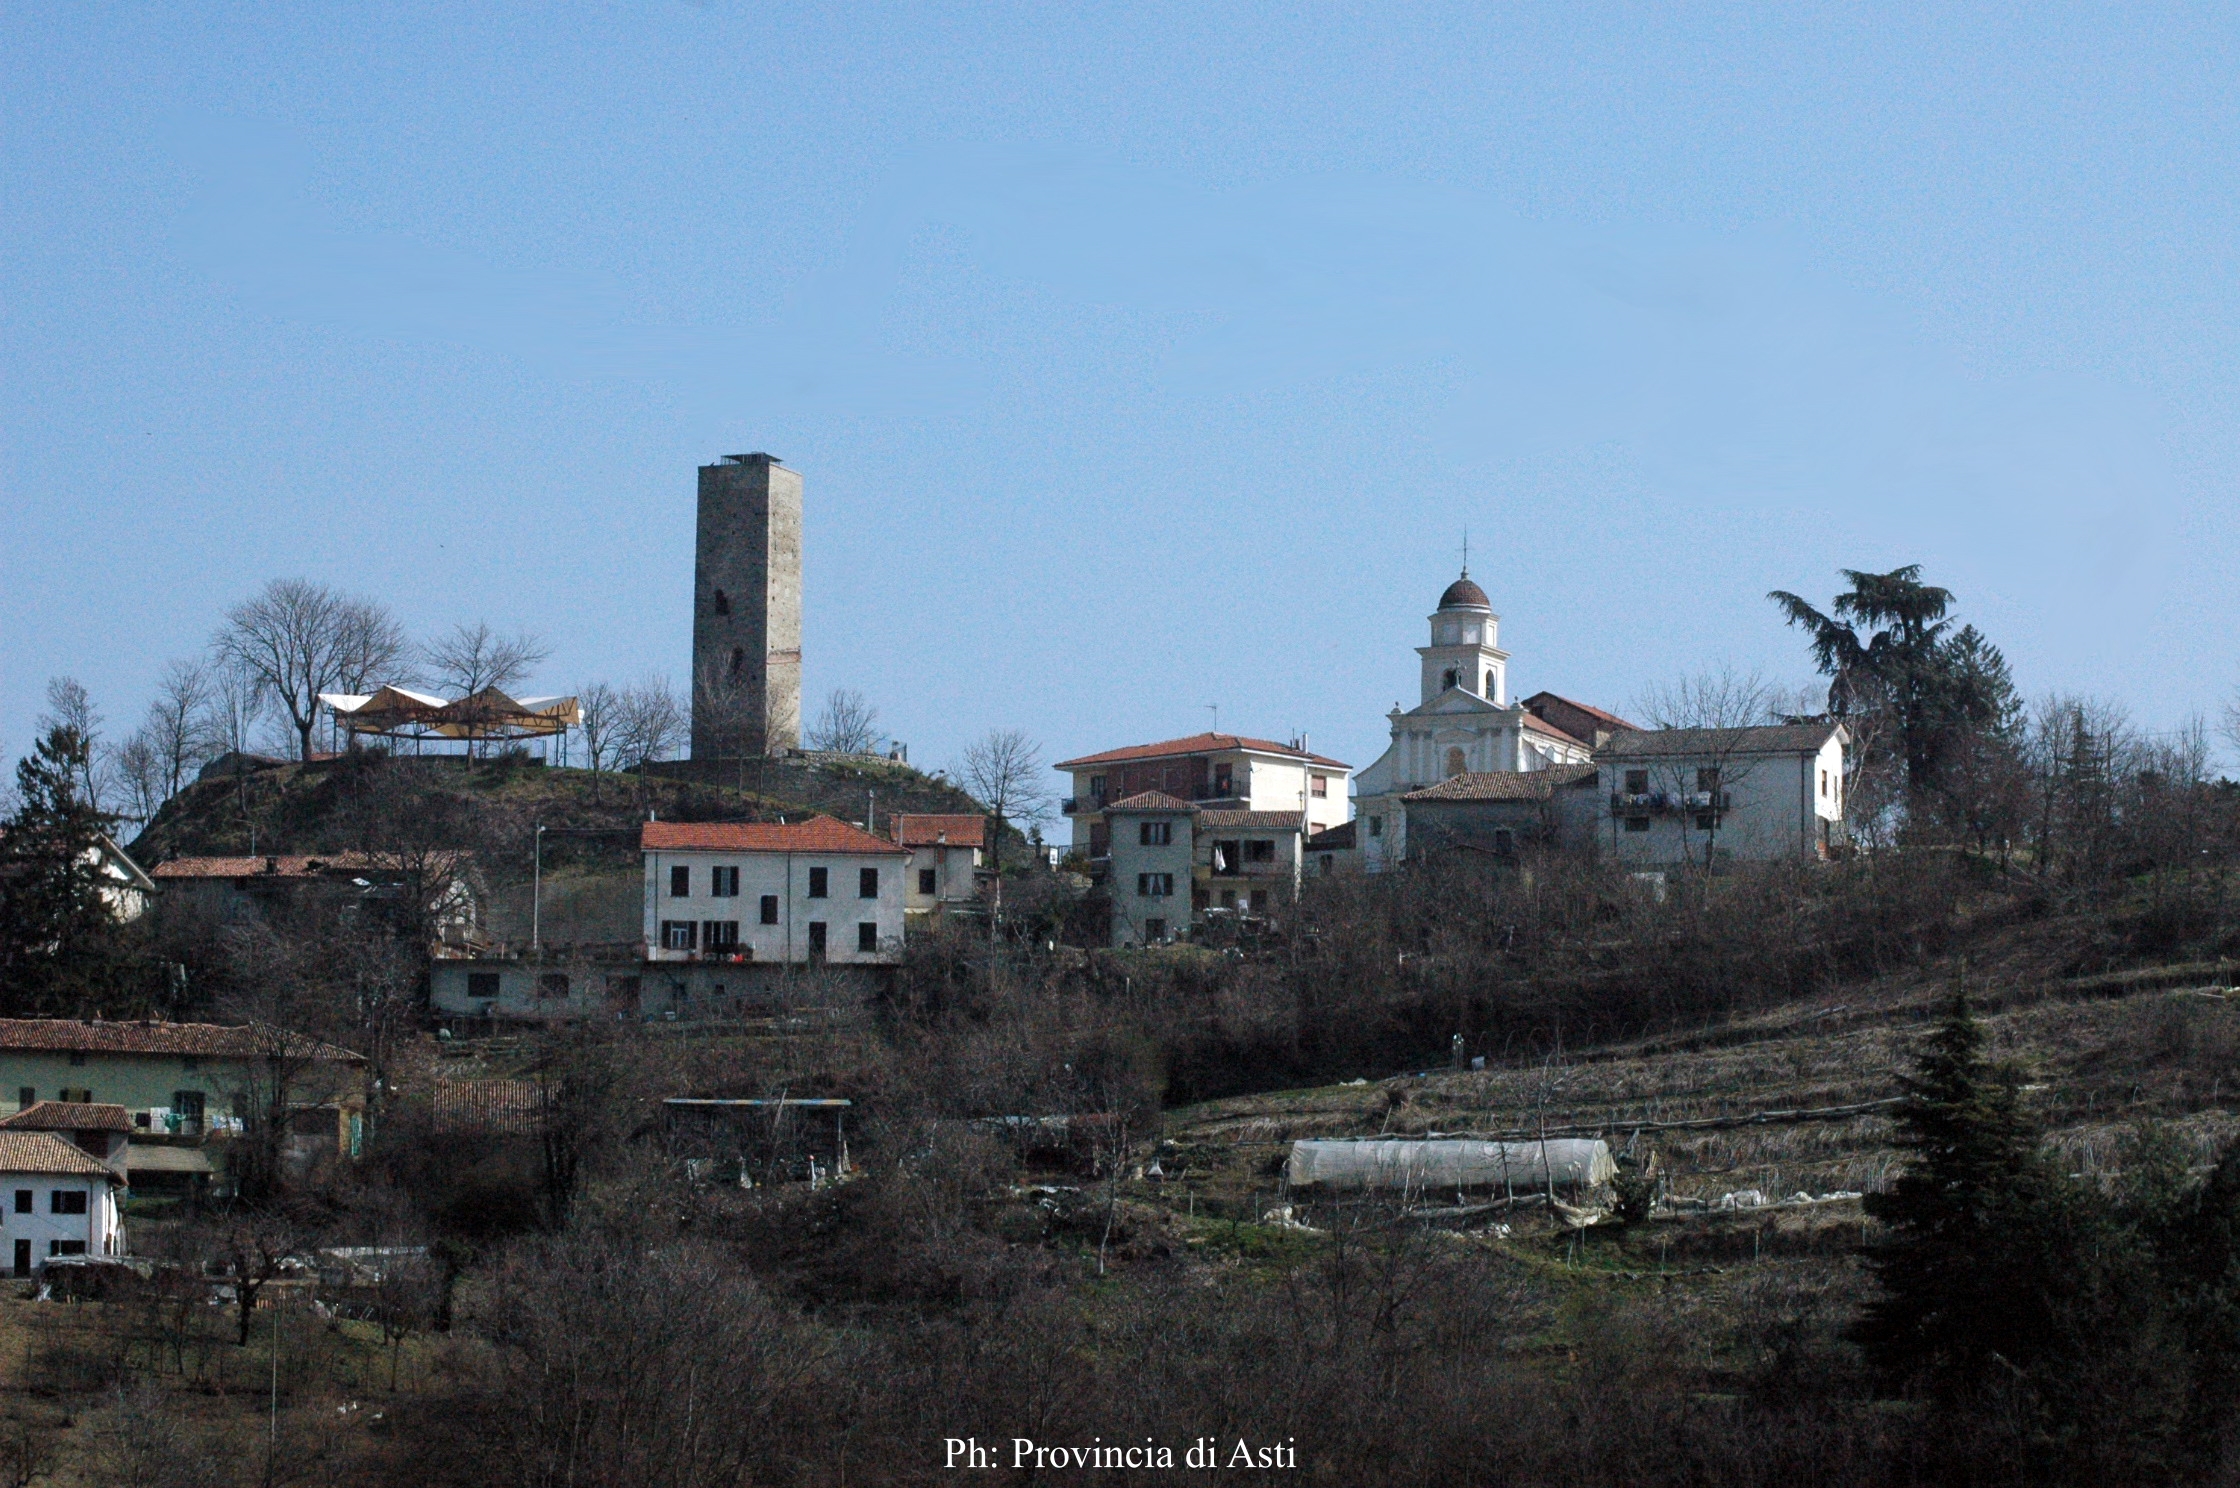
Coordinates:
<point>49,1115</point>
<point>1787,738</point>
<point>1339,838</point>
<point>44,1152</point>
<point>1196,744</point>
<point>504,1107</point>
<point>1151,801</point>
<point>819,834</point>
<point>1502,785</point>
<point>212,1040</point>
<point>1536,722</point>
<point>279,865</point>
<point>1598,714</point>
<point>1249,821</point>
<point>924,829</point>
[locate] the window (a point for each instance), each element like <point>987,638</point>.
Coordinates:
<point>1200,899</point>
<point>27,1097</point>
<point>1319,787</point>
<point>1823,782</point>
<point>676,935</point>
<point>1708,780</point>
<point>1376,826</point>
<point>1259,901</point>
<point>1329,863</point>
<point>66,1201</point>
<point>187,1105</point>
<point>1637,782</point>
<point>1260,852</point>
<point>80,1094</point>
<point>1226,856</point>
<point>819,883</point>
<point>23,1201</point>
<point>1154,885</point>
<point>680,883</point>
<point>723,603</point>
<point>1504,841</point>
<point>1154,930</point>
<point>867,883</point>
<point>77,1056</point>
<point>720,935</point>
<point>929,882</point>
<point>723,883</point>
<point>738,659</point>
<point>190,1062</point>
<point>1096,788</point>
<point>482,984</point>
<point>1456,763</point>
<point>1154,834</point>
<point>867,937</point>
<point>1637,824</point>
<point>769,909</point>
<point>1489,684</point>
<point>1228,898</point>
<point>66,1247</point>
<point>1224,779</point>
<point>1447,678</point>
<point>1703,821</point>
<point>816,940</point>
<point>552,984</point>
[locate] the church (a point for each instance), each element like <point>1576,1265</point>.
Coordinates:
<point>1466,725</point>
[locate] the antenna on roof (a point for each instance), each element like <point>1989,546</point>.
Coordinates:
<point>1216,707</point>
<point>1466,550</point>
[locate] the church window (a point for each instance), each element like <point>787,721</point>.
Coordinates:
<point>723,603</point>
<point>1489,684</point>
<point>1450,678</point>
<point>1470,634</point>
<point>738,659</point>
<point>1456,764</point>
<point>1376,826</point>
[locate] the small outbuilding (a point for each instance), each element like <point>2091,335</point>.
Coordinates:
<point>56,1200</point>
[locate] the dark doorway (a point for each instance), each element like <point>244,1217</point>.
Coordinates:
<point>23,1258</point>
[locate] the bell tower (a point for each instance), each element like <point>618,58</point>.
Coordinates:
<point>1465,652</point>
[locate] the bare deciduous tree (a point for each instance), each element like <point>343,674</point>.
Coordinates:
<point>70,706</point>
<point>1717,708</point>
<point>1005,772</point>
<point>649,722</point>
<point>848,724</point>
<point>299,639</point>
<point>468,658</point>
<point>598,718</point>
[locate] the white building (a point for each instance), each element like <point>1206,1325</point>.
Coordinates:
<point>1463,724</point>
<point>1153,850</point>
<point>944,861</point>
<point>56,1201</point>
<point>818,892</point>
<point>1217,771</point>
<point>1680,796</point>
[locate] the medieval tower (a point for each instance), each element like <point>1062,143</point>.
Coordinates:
<point>746,610</point>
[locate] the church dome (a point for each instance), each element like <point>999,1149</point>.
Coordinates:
<point>1464,595</point>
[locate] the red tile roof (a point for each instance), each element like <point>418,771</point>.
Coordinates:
<point>1535,721</point>
<point>1151,801</point>
<point>212,1040</point>
<point>1196,744</point>
<point>1248,821</point>
<point>69,1116</point>
<point>1332,839</point>
<point>500,1106</point>
<point>819,834</point>
<point>1502,785</point>
<point>921,829</point>
<point>44,1152</point>
<point>1589,709</point>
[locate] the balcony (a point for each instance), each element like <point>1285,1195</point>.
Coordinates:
<point>1664,803</point>
<point>1081,805</point>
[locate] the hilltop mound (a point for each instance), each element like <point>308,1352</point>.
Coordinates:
<point>492,807</point>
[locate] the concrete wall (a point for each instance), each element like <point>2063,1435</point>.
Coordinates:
<point>951,868</point>
<point>1774,809</point>
<point>746,610</point>
<point>149,1082</point>
<point>787,877</point>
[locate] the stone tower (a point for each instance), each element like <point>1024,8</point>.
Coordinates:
<point>1465,649</point>
<point>746,610</point>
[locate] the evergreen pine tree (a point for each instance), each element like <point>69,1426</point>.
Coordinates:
<point>58,951</point>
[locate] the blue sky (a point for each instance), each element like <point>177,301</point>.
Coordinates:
<point>1136,358</point>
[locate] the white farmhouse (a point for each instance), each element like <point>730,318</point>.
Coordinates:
<point>1153,851</point>
<point>1679,796</point>
<point>56,1200</point>
<point>819,892</point>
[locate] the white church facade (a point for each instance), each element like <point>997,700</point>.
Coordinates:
<point>1464,724</point>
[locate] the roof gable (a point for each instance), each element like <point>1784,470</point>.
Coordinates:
<point>1151,801</point>
<point>69,1116</point>
<point>45,1153</point>
<point>929,829</point>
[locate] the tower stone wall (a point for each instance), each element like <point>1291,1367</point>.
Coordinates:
<point>746,610</point>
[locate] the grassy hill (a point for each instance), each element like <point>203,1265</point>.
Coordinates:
<point>372,801</point>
